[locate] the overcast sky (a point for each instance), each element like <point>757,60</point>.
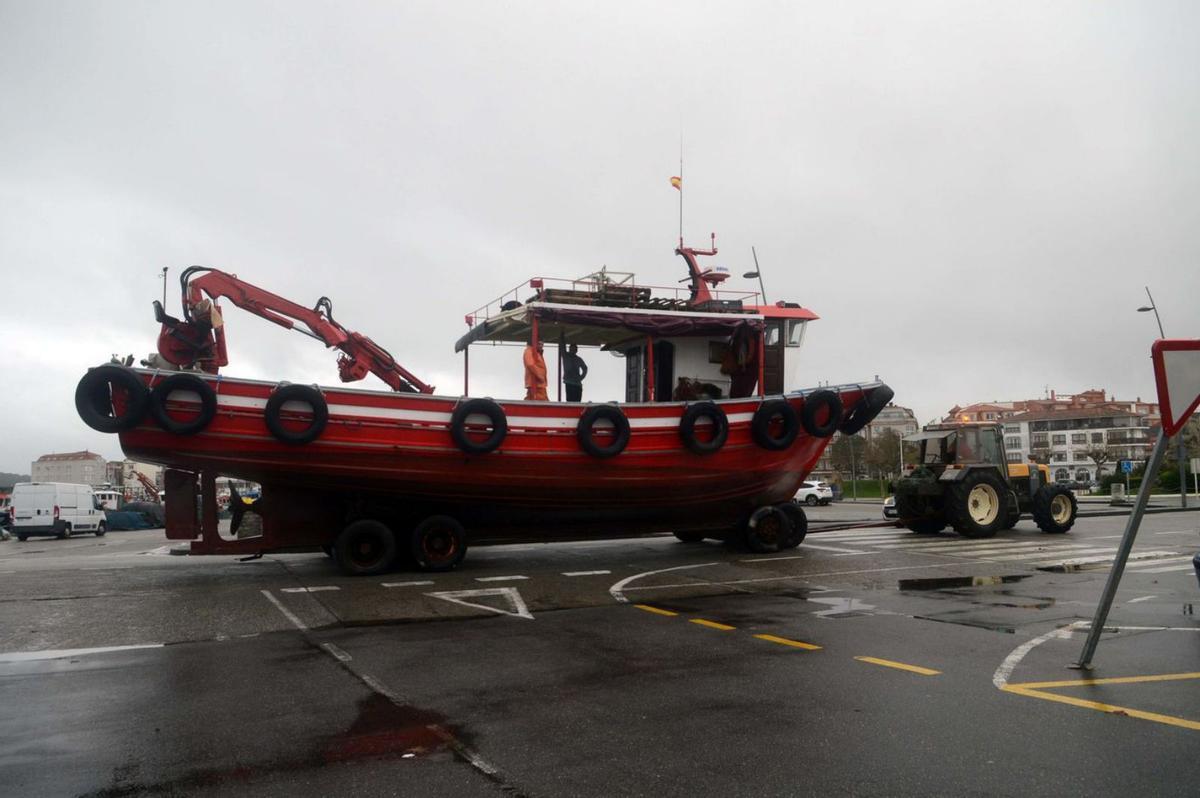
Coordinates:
<point>971,195</point>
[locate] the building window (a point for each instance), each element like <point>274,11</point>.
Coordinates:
<point>1012,429</point>
<point>1097,437</point>
<point>1039,439</point>
<point>1015,457</point>
<point>1059,457</point>
<point>1062,475</point>
<point>1012,443</point>
<point>1078,437</point>
<point>1058,440</point>
<point>1082,476</point>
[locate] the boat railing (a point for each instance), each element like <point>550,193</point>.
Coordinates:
<point>609,289</point>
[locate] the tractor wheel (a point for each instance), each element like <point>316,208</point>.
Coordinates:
<point>978,505</point>
<point>1014,512</point>
<point>1054,508</point>
<point>925,526</point>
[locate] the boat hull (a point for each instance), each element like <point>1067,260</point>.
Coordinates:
<point>397,450</point>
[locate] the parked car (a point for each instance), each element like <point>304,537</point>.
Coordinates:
<point>58,509</point>
<point>813,493</point>
<point>889,508</point>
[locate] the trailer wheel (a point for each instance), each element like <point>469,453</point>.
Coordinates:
<point>810,414</point>
<point>720,427</point>
<point>306,394</point>
<point>183,382</point>
<point>977,506</point>
<point>439,543</point>
<point>768,529</point>
<point>760,425</point>
<point>795,514</point>
<point>93,398</point>
<point>1054,509</point>
<point>365,548</point>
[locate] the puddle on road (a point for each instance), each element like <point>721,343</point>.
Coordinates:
<point>940,583</point>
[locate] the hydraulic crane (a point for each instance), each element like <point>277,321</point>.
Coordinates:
<point>198,340</point>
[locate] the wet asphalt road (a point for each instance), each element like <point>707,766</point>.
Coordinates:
<point>864,663</point>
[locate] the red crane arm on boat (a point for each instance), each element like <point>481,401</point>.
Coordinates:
<point>200,338</point>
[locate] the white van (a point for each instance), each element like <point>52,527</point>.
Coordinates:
<point>55,508</point>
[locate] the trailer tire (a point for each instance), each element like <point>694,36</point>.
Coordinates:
<point>760,425</point>
<point>183,382</point>
<point>687,427</point>
<point>813,404</point>
<point>1054,509</point>
<point>483,407</point>
<point>767,530</point>
<point>439,543</point>
<point>92,398</point>
<point>273,414</point>
<point>587,422</point>
<point>365,548</point>
<point>799,520</point>
<point>865,410</point>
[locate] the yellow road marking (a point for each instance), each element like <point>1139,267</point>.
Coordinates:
<point>899,666</point>
<point>1035,690</point>
<point>783,641</point>
<point>711,624</point>
<point>655,610</point>
<point>1163,677</point>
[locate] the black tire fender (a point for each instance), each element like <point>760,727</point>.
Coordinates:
<point>687,427</point>
<point>183,382</point>
<point>587,422</point>
<point>92,398</point>
<point>865,410</point>
<point>307,394</point>
<point>760,425</point>
<point>814,403</point>
<point>483,407</point>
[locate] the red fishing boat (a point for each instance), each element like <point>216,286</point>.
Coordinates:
<point>712,440</point>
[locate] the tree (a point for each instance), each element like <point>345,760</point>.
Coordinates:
<point>844,458</point>
<point>884,453</point>
<point>1099,455</point>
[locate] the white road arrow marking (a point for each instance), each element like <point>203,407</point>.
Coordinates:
<point>519,610</point>
<point>840,606</point>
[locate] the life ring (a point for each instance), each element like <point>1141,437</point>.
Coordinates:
<point>864,412</point>
<point>273,414</point>
<point>93,398</point>
<point>687,427</point>
<point>183,382</point>
<point>481,407</point>
<point>813,404</point>
<point>587,423</point>
<point>760,425</point>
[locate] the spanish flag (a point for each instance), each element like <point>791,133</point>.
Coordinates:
<point>677,182</point>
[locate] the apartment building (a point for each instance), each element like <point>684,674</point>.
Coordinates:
<point>80,468</point>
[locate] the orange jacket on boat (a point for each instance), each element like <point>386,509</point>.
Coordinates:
<point>535,374</point>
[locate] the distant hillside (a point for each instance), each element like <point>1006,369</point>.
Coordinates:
<point>8,480</point>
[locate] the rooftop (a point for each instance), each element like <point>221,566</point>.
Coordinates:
<point>84,455</point>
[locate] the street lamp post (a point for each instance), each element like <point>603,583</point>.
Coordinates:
<point>1182,451</point>
<point>757,273</point>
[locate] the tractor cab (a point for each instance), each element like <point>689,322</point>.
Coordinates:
<point>942,445</point>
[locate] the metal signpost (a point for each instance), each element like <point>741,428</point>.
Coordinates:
<point>1177,374</point>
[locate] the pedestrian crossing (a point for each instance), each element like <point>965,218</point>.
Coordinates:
<point>1048,552</point>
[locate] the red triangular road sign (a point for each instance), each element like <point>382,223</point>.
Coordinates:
<point>1177,373</point>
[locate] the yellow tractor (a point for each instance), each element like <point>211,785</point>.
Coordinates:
<point>961,479</point>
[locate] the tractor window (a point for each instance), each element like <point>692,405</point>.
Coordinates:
<point>989,446</point>
<point>935,451</point>
<point>968,446</point>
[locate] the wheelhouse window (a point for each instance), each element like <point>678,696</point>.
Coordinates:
<point>795,333</point>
